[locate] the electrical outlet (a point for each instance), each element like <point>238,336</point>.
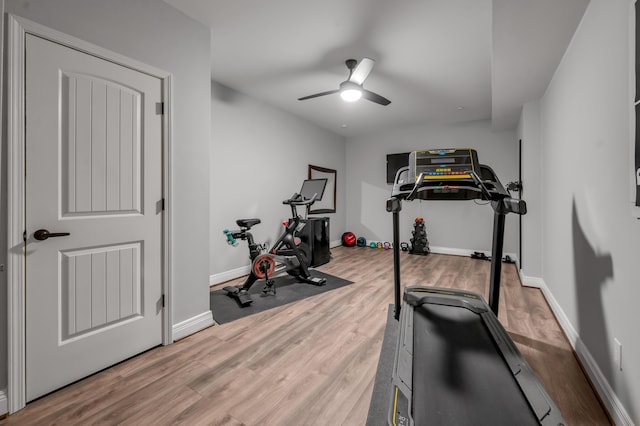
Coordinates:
<point>617,353</point>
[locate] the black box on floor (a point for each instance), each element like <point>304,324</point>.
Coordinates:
<point>315,233</point>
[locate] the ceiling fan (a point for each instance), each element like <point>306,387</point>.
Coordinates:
<point>351,89</point>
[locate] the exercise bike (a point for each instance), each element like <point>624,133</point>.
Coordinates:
<point>288,252</point>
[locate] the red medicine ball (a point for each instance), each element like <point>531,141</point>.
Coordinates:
<point>348,239</point>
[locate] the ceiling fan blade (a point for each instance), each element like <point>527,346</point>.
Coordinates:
<point>362,70</point>
<point>319,94</point>
<point>374,97</point>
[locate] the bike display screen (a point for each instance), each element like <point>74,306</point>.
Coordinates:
<point>313,186</point>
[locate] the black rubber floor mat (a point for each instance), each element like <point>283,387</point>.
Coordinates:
<point>288,289</point>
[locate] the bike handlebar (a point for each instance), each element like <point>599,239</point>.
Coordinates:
<point>299,200</point>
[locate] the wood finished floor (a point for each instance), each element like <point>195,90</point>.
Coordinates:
<point>312,362</point>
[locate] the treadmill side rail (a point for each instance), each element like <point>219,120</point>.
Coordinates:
<point>401,401</point>
<point>538,398</point>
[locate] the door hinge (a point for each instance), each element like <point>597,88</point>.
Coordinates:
<point>159,108</point>
<point>163,305</point>
<point>162,202</point>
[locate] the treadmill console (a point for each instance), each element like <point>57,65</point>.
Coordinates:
<point>450,174</point>
<point>443,164</point>
<point>447,174</point>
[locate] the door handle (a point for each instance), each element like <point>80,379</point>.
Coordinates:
<point>43,234</point>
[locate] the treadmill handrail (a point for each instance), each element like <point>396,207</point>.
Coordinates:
<point>475,184</point>
<point>416,187</point>
<point>480,185</point>
<point>501,203</point>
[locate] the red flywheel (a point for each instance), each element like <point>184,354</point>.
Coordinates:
<point>264,265</point>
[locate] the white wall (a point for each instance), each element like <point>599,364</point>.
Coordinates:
<point>591,240</point>
<point>454,225</point>
<point>259,157</point>
<point>155,33</point>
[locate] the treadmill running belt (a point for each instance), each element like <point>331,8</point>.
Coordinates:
<point>459,373</point>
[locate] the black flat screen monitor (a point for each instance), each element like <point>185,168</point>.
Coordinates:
<point>313,186</point>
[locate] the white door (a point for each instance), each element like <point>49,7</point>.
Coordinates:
<point>93,170</point>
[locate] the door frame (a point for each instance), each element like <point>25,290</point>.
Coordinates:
<point>17,29</point>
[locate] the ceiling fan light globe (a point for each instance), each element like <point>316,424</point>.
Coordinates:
<point>350,95</point>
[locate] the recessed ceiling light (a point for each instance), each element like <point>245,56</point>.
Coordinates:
<point>459,108</point>
<point>344,126</point>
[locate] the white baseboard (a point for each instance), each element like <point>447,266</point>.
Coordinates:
<point>336,243</point>
<point>467,252</point>
<point>608,396</point>
<point>531,281</point>
<point>453,251</point>
<point>192,325</point>
<point>228,275</point>
<point>4,406</point>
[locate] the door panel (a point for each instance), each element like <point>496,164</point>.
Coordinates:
<point>101,288</point>
<point>93,170</point>
<point>100,146</point>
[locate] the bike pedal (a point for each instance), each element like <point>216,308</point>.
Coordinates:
<point>231,290</point>
<point>244,299</point>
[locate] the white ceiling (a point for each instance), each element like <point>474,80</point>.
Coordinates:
<point>438,61</point>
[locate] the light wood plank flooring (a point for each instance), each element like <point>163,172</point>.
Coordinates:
<point>312,362</point>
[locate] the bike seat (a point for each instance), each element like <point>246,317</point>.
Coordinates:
<point>247,223</point>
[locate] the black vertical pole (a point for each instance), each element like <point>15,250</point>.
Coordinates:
<point>637,107</point>
<point>520,198</point>
<point>496,258</point>
<point>396,261</point>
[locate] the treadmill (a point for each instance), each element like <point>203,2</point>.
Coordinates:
<point>454,362</point>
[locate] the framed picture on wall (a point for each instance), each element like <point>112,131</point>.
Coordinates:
<point>328,202</point>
